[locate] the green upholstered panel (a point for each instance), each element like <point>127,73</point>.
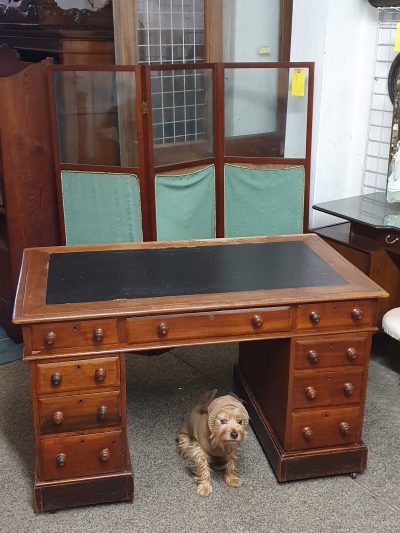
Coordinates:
<point>185,205</point>
<point>101,208</point>
<point>263,201</point>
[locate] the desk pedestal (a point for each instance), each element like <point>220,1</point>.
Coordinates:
<point>308,420</point>
<point>82,454</point>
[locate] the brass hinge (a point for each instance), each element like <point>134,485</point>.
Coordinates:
<point>145,107</point>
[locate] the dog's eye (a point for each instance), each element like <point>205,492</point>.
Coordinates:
<point>224,421</point>
<point>240,422</point>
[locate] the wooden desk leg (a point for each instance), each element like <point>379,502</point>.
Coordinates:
<point>82,454</point>
<point>264,379</point>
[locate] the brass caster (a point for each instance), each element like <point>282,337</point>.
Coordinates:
<point>353,475</point>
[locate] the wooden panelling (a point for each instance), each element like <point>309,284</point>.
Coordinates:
<point>266,364</point>
<point>28,212</point>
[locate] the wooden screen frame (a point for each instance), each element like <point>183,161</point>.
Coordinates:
<point>137,170</point>
<point>147,170</point>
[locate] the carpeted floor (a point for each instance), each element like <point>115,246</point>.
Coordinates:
<point>160,391</point>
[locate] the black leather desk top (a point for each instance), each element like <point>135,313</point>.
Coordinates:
<point>127,274</point>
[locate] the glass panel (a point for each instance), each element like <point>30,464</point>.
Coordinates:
<point>259,44</point>
<point>262,117</point>
<point>182,111</point>
<point>370,209</point>
<point>170,31</point>
<point>96,117</point>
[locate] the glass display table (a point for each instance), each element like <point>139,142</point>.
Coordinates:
<point>370,239</point>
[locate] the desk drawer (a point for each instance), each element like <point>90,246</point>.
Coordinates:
<point>82,455</point>
<point>318,389</point>
<point>90,333</point>
<point>335,315</point>
<point>207,325</point>
<point>81,411</point>
<point>77,375</point>
<point>340,350</point>
<point>322,428</point>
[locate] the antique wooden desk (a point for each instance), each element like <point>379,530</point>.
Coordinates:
<point>306,314</point>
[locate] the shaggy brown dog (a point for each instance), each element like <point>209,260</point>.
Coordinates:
<point>212,436</point>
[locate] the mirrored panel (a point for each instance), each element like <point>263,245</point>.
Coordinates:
<point>266,112</point>
<point>95,113</point>
<point>182,115</point>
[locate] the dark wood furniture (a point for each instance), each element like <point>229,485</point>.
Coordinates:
<point>28,203</point>
<point>41,28</point>
<point>302,370</point>
<point>370,239</point>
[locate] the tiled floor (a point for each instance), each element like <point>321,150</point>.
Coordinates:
<point>9,351</point>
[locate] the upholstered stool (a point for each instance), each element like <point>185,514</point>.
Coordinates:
<point>391,323</point>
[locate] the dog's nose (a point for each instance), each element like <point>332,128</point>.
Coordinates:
<point>234,435</point>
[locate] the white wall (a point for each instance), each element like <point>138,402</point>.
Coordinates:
<point>340,37</point>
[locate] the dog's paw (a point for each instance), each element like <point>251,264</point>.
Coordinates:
<point>232,481</point>
<point>204,489</point>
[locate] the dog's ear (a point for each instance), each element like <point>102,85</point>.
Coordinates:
<point>206,399</point>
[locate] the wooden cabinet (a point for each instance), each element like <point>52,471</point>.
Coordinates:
<point>28,206</point>
<point>367,249</point>
<point>41,28</point>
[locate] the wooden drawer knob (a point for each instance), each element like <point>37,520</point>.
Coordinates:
<point>308,433</point>
<point>105,455</point>
<point>351,354</point>
<point>58,418</point>
<point>100,375</point>
<point>98,334</point>
<point>357,314</point>
<point>56,378</point>
<point>49,338</point>
<point>344,428</point>
<point>348,389</point>
<point>315,317</point>
<point>102,412</point>
<point>61,460</point>
<point>313,357</point>
<point>257,321</point>
<point>310,393</point>
<point>162,329</point>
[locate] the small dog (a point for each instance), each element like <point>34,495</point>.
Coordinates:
<point>212,437</point>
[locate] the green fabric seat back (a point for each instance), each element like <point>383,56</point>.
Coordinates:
<point>101,208</point>
<point>185,205</point>
<point>263,201</point>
